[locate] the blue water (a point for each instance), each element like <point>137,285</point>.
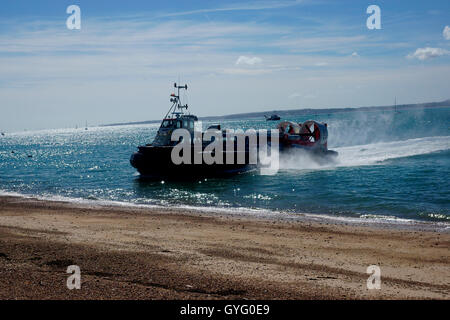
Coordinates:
<point>390,165</point>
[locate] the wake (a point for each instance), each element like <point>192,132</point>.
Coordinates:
<point>368,154</point>
<point>382,151</point>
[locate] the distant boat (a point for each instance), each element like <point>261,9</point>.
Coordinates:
<point>273,117</point>
<point>3,134</point>
<point>85,128</point>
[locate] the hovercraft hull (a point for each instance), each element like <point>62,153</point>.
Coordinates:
<point>156,162</point>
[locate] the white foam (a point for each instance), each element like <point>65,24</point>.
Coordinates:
<point>387,221</point>
<point>368,154</point>
<point>378,152</point>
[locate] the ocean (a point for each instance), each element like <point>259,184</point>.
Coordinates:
<point>391,165</point>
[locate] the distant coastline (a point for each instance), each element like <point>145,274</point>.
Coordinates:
<point>301,112</point>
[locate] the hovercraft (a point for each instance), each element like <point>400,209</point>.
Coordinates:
<point>155,160</point>
<point>310,136</point>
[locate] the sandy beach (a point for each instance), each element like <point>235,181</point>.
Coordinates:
<point>145,253</point>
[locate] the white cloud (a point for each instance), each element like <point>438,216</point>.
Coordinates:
<point>434,12</point>
<point>427,53</point>
<point>321,64</point>
<point>314,44</point>
<point>248,6</point>
<point>111,64</point>
<point>250,72</point>
<point>355,54</point>
<point>446,33</point>
<point>248,60</point>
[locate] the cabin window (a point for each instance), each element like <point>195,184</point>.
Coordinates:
<point>166,123</point>
<point>191,124</point>
<point>178,124</point>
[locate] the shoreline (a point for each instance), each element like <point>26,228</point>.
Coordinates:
<point>154,253</point>
<point>257,214</point>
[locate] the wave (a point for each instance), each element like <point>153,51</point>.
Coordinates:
<point>244,212</point>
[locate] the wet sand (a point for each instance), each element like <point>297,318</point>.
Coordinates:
<point>142,253</point>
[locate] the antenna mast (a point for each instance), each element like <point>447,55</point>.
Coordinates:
<point>176,100</point>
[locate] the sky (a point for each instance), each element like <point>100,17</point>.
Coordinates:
<point>235,56</point>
